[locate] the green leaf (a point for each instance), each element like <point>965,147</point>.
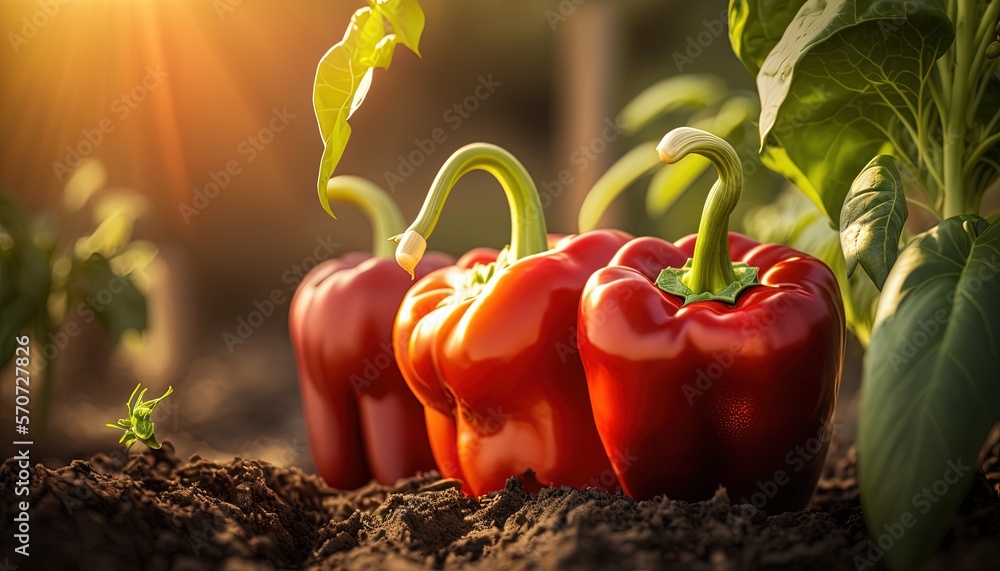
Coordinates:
<point>872,219</point>
<point>931,393</point>
<point>844,75</point>
<point>406,18</point>
<point>25,278</point>
<point>135,256</point>
<point>681,92</point>
<point>795,221</point>
<point>108,239</point>
<point>87,178</point>
<point>114,298</point>
<point>634,164</point>
<point>755,26</point>
<point>344,75</point>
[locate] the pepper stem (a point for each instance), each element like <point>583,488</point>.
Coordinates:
<point>710,275</point>
<point>527,224</point>
<point>711,266</point>
<point>383,213</point>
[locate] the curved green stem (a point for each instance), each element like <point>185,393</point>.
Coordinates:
<point>383,213</point>
<point>527,224</point>
<point>711,267</point>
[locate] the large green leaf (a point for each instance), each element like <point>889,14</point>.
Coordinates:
<point>844,75</point>
<point>872,219</point>
<point>345,73</point>
<point>755,26</point>
<point>931,390</point>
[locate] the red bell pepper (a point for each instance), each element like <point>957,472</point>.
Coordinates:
<point>489,345</point>
<point>714,361</point>
<point>363,421</point>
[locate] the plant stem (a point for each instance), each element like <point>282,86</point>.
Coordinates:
<point>954,135</point>
<point>985,33</point>
<point>527,223</point>
<point>44,402</point>
<point>711,266</point>
<point>383,213</point>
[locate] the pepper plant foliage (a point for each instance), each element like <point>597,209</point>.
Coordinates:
<point>704,102</point>
<point>70,266</point>
<point>869,106</point>
<point>345,73</point>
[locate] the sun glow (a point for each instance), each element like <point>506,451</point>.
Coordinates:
<point>122,81</point>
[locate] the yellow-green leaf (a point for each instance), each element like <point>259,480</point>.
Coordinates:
<point>345,73</point>
<point>88,177</point>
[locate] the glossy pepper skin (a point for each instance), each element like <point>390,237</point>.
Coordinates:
<point>490,348</point>
<point>363,421</point>
<point>712,393</point>
<point>702,393</point>
<point>499,373</point>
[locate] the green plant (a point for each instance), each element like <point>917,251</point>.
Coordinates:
<point>61,270</point>
<point>138,426</point>
<point>345,73</point>
<point>867,107</point>
<point>705,103</point>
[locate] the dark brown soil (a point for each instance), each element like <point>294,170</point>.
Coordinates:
<point>160,513</point>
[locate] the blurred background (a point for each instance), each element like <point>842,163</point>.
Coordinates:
<point>156,104</point>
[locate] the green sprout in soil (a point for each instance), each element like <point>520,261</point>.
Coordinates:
<point>138,426</point>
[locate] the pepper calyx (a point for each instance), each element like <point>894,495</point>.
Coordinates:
<point>479,275</point>
<point>671,280</point>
